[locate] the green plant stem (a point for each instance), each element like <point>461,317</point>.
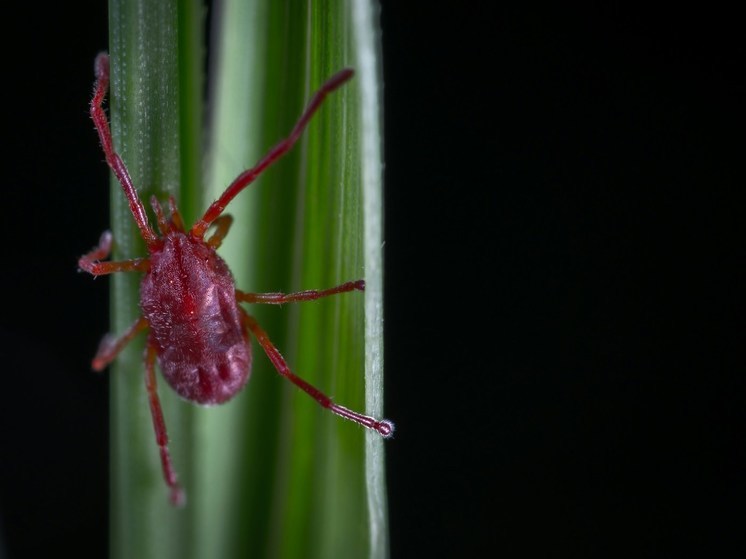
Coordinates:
<point>269,474</point>
<point>149,94</point>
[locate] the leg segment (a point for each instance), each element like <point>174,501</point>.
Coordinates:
<point>247,177</point>
<point>110,346</point>
<point>383,427</point>
<point>310,295</point>
<point>90,262</point>
<point>101,67</point>
<point>178,498</point>
<point>222,226</point>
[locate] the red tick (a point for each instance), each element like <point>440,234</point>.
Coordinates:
<point>198,333</point>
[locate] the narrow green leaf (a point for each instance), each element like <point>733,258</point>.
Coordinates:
<point>312,485</point>
<point>370,121</point>
<point>269,473</point>
<point>153,86</point>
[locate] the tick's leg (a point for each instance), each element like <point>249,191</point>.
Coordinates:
<point>178,498</point>
<point>222,226</point>
<point>247,177</point>
<point>384,427</point>
<point>310,295</point>
<point>101,67</point>
<point>110,346</point>
<point>90,262</point>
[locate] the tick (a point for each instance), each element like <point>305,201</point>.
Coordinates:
<point>197,331</point>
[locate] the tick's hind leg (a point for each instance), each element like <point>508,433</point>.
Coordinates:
<point>90,262</point>
<point>310,295</point>
<point>383,427</point>
<point>178,498</point>
<point>110,345</point>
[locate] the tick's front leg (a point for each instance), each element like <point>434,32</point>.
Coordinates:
<point>90,262</point>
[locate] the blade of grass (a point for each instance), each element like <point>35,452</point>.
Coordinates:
<point>368,58</point>
<point>231,521</point>
<point>151,91</point>
<point>300,486</point>
<point>255,94</point>
<point>269,473</point>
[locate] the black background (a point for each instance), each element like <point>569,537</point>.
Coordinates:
<point>565,320</point>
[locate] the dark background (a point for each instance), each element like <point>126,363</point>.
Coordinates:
<point>565,320</point>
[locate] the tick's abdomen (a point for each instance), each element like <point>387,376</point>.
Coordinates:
<point>188,298</point>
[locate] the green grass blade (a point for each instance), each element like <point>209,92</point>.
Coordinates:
<point>154,94</point>
<point>368,61</point>
<point>270,473</point>
<point>307,485</point>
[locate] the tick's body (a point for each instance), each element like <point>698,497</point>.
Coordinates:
<point>188,298</point>
<point>198,332</point>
